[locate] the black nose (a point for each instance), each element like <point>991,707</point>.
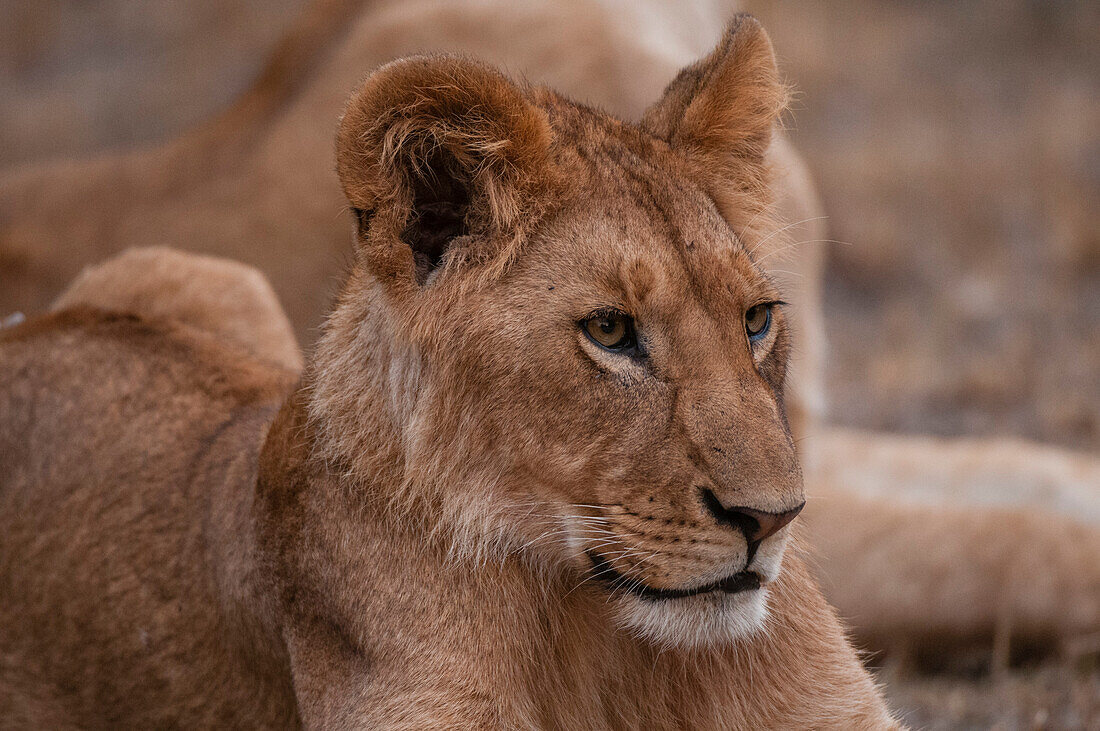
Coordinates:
<point>755,525</point>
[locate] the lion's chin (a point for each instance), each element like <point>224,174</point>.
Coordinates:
<point>713,619</point>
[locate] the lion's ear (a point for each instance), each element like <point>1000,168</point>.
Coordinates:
<point>721,111</point>
<point>436,148</point>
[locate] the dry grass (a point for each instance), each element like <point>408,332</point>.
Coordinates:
<point>1047,697</point>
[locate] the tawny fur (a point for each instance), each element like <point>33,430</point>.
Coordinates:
<point>255,184</point>
<point>1027,515</point>
<point>222,297</point>
<point>410,547</point>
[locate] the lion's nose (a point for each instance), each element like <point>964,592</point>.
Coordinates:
<point>755,525</point>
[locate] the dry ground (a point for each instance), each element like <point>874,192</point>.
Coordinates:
<point>958,155</point>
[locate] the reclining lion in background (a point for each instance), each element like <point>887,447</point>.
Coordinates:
<point>536,472</point>
<point>255,185</point>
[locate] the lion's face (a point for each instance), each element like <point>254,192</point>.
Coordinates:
<point>624,376</point>
<point>580,357</point>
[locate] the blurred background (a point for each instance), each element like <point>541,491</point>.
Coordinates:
<point>956,147</point>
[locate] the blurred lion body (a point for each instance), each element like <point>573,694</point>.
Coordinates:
<point>272,151</point>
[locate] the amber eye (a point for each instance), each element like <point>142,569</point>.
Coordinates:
<point>611,330</point>
<point>758,320</point>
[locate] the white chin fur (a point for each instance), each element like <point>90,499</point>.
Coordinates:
<point>714,619</point>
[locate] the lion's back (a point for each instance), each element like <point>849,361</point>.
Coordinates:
<point>128,454</point>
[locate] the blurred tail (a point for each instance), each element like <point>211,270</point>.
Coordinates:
<point>58,216</point>
<point>929,539</point>
<point>289,67</point>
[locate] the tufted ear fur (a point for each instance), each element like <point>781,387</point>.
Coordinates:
<point>440,157</point>
<point>720,112</point>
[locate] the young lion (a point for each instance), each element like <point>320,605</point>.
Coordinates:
<point>255,184</point>
<point>536,474</point>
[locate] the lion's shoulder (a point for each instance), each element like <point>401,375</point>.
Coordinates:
<point>90,369</point>
<point>128,451</point>
<point>117,333</point>
<point>225,298</point>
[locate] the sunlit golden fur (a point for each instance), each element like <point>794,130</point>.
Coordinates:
<point>421,542</point>
<point>255,184</point>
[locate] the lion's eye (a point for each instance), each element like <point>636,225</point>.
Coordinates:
<point>611,330</point>
<point>758,320</point>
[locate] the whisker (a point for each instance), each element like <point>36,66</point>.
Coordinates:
<point>764,258</point>
<point>778,231</point>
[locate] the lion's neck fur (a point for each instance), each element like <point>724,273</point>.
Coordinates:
<point>371,430</point>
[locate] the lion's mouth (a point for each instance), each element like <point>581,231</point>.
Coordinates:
<point>735,584</point>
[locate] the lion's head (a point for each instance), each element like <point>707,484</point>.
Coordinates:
<point>579,357</point>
